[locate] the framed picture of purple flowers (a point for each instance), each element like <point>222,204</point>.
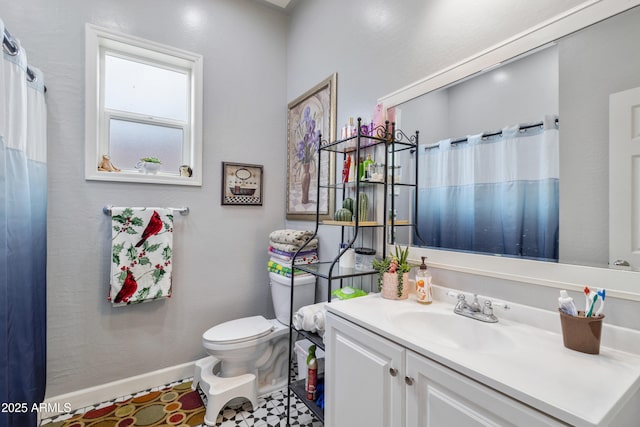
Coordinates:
<point>310,115</point>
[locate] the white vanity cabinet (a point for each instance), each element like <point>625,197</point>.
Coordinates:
<point>372,381</point>
<point>366,385</point>
<point>439,396</point>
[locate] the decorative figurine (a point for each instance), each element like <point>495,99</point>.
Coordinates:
<point>106,166</point>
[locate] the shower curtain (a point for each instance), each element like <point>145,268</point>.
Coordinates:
<point>23,199</point>
<point>497,195</point>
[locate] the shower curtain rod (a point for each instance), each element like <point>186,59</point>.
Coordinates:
<point>11,48</point>
<point>522,127</point>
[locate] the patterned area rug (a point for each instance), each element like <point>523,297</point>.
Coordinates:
<point>177,405</point>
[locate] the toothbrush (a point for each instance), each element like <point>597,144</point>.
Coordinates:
<point>593,303</point>
<point>587,292</point>
<point>602,293</point>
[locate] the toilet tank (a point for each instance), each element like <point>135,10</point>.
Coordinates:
<point>304,294</point>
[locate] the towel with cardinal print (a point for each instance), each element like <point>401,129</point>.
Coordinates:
<point>140,255</point>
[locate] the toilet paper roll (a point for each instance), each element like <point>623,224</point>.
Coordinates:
<point>348,259</point>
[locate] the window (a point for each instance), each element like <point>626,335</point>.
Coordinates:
<point>143,101</point>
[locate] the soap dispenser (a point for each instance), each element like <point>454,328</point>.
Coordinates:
<point>423,284</point>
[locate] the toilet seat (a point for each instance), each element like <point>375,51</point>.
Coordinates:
<point>239,330</point>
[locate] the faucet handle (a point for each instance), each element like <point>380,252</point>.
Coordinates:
<point>462,302</point>
<point>488,306</point>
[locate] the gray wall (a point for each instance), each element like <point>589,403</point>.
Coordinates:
<point>219,252</point>
<point>594,63</point>
<point>519,92</point>
<point>523,91</point>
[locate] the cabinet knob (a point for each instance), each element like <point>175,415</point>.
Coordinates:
<point>393,372</point>
<point>408,380</point>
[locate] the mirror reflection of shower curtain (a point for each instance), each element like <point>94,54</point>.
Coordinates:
<point>495,196</point>
<point>23,206</point>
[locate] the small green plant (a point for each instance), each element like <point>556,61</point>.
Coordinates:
<point>396,263</point>
<point>151,160</point>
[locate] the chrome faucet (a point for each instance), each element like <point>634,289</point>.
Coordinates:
<point>474,310</point>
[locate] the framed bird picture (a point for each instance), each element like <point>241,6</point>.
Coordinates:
<point>241,184</point>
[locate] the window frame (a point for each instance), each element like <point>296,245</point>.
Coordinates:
<point>98,42</point>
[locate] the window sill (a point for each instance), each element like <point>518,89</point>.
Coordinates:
<point>144,178</point>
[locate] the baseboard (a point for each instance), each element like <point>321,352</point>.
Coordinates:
<point>68,402</point>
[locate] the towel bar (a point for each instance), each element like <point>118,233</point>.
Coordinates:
<point>182,211</point>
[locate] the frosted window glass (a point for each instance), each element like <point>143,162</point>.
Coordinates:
<point>131,141</point>
<point>145,89</point>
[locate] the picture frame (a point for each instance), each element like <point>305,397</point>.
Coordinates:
<point>312,113</point>
<point>241,184</point>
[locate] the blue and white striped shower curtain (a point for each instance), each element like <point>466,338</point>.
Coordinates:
<point>23,206</point>
<point>494,196</point>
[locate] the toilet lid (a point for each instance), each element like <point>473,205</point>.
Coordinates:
<point>239,330</point>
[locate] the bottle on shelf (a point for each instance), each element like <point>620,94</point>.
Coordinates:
<point>345,168</point>
<point>312,374</point>
<point>367,166</point>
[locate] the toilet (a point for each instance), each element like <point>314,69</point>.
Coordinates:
<point>249,357</point>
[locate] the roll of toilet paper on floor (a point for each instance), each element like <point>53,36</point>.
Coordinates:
<point>303,318</point>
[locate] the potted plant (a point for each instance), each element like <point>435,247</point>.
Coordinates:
<point>149,165</point>
<point>393,274</point>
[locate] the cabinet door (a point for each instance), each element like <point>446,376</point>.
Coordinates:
<point>364,377</point>
<point>439,396</point>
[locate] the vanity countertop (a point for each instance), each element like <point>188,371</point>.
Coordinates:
<point>528,362</point>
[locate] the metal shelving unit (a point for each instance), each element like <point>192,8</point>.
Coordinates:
<point>387,142</point>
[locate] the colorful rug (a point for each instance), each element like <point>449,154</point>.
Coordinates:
<point>176,406</point>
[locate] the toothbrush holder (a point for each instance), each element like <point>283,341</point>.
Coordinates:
<point>581,333</point>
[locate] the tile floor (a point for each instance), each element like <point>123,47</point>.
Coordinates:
<point>271,411</point>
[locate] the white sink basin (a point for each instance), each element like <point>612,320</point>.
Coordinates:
<point>454,331</point>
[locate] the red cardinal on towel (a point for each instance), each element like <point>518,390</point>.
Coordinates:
<point>128,288</point>
<point>153,228</point>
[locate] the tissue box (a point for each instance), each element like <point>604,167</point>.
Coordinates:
<point>302,351</point>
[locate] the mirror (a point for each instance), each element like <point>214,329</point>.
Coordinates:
<point>592,63</point>
<point>497,193</point>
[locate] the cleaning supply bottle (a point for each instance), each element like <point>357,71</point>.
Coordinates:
<point>566,304</point>
<point>345,168</point>
<point>423,284</point>
<point>312,373</point>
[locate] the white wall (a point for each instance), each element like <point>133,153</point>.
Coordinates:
<point>220,252</point>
